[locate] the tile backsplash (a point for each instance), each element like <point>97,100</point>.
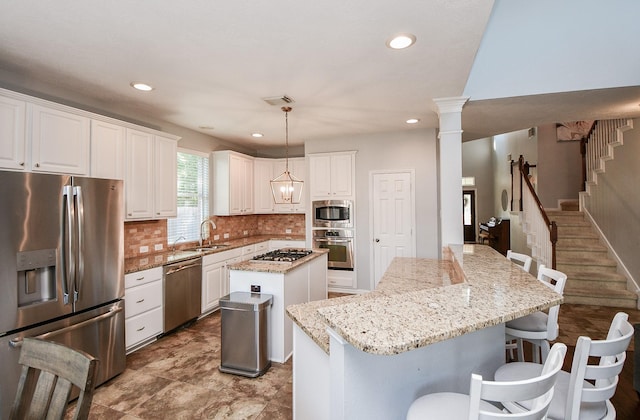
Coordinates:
<point>150,236</point>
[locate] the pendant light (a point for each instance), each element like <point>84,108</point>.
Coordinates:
<point>286,188</point>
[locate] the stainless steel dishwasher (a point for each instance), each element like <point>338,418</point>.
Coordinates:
<point>182,292</point>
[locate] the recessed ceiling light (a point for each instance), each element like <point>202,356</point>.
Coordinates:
<point>258,135</point>
<point>141,86</point>
<point>413,120</point>
<point>400,41</point>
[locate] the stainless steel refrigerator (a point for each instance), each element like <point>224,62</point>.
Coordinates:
<point>61,270</point>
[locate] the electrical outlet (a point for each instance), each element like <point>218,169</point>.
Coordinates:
<point>245,232</point>
<point>287,231</point>
<point>225,236</point>
<point>255,288</point>
<point>157,247</point>
<point>216,237</point>
<point>144,248</point>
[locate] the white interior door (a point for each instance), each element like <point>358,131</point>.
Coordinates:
<point>393,219</point>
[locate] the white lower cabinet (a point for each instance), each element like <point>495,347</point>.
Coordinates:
<point>215,277</point>
<point>285,243</point>
<point>142,307</point>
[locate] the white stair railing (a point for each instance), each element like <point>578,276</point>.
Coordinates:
<point>542,234</point>
<point>598,147</point>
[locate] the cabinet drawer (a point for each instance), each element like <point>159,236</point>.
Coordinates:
<point>142,298</point>
<point>262,247</point>
<point>143,326</point>
<point>285,243</point>
<point>142,277</point>
<point>248,251</point>
<point>221,256</point>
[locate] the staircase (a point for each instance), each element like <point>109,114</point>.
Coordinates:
<point>592,277</point>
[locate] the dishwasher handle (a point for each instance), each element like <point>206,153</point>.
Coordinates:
<point>171,269</point>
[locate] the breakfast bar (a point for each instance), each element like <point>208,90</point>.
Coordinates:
<point>428,325</point>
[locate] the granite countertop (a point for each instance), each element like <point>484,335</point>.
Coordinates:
<point>276,267</point>
<point>422,301</point>
<point>144,262</point>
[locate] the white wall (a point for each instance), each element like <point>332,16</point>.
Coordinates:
<point>415,149</point>
<point>614,202</point>
<point>559,168</point>
<point>477,161</point>
<point>530,31</point>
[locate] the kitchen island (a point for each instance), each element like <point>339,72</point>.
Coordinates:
<point>428,325</point>
<point>303,280</point>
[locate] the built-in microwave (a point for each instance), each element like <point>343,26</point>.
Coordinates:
<point>333,213</point>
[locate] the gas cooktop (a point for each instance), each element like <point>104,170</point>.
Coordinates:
<point>284,255</point>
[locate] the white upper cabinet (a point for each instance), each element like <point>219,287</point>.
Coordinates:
<point>165,177</point>
<point>332,175</point>
<point>151,179</point>
<point>262,174</point>
<point>139,175</point>
<point>267,169</point>
<point>233,183</point>
<point>42,136</point>
<point>12,133</point>
<point>60,141</point>
<point>107,150</point>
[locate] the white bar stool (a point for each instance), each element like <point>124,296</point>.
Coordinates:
<point>538,328</point>
<point>585,392</point>
<point>523,260</point>
<point>476,405</point>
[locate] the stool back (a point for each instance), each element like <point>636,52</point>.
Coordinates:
<point>539,389</point>
<point>603,376</point>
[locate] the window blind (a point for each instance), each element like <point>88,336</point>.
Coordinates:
<point>193,197</point>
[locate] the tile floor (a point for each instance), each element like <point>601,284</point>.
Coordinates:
<point>177,377</point>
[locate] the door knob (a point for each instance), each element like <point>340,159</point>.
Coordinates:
<point>377,240</point>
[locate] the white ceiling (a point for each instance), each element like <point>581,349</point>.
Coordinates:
<point>211,62</point>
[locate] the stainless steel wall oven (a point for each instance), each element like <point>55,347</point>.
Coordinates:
<point>332,214</point>
<point>339,242</point>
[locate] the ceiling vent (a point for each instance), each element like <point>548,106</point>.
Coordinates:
<point>278,100</point>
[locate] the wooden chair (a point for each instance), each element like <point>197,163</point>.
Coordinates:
<point>585,392</point>
<point>523,260</point>
<point>538,328</point>
<point>49,372</point>
<point>476,405</point>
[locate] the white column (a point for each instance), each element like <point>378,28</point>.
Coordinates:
<point>450,170</point>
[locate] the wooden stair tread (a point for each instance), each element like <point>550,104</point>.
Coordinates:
<point>600,262</point>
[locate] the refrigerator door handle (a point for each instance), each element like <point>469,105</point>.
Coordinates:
<point>17,342</point>
<point>67,248</point>
<point>77,192</point>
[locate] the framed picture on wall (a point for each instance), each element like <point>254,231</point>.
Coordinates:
<point>574,130</point>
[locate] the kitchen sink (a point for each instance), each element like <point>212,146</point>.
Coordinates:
<point>208,248</point>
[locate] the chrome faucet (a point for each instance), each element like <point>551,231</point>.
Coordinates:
<point>203,224</point>
<point>173,247</point>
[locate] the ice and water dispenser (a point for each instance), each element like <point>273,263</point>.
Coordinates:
<point>36,276</point>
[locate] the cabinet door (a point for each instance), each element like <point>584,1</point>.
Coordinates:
<point>12,133</point>
<point>320,174</point>
<point>212,285</point>
<point>247,196</point>
<point>165,177</point>
<point>225,276</point>
<point>59,141</point>
<point>341,175</point>
<point>107,150</point>
<point>139,175</point>
<point>236,180</point>
<point>298,168</point>
<point>262,174</point>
